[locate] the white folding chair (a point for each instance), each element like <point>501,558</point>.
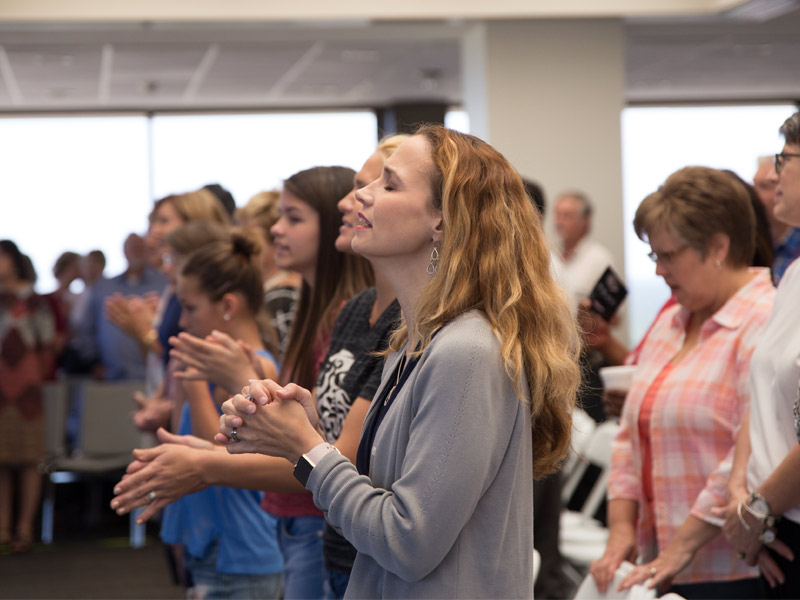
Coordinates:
<point>55,396</point>
<point>107,437</point>
<point>582,539</point>
<point>583,427</point>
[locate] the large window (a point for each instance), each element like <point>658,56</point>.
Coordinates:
<point>79,183</point>
<point>251,153</point>
<point>73,184</point>
<point>659,141</point>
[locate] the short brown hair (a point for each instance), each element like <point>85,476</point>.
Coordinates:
<point>695,203</point>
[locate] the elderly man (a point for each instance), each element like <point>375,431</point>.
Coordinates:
<point>580,261</point>
<point>785,238</point>
<point>578,264</point>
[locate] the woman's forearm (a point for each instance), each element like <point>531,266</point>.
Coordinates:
<point>694,534</point>
<point>248,471</point>
<point>782,488</point>
<point>737,483</point>
<point>622,515</point>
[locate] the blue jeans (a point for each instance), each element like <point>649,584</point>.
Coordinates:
<point>209,584</point>
<point>337,584</point>
<point>300,541</point>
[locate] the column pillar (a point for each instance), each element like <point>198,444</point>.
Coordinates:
<point>548,94</point>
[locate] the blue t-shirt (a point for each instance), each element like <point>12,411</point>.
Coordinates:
<point>247,535</point>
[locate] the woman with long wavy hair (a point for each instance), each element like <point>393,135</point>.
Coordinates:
<point>477,389</point>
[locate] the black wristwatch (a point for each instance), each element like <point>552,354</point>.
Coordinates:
<point>307,462</point>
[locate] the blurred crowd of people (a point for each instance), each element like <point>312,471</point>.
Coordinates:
<point>353,379</point>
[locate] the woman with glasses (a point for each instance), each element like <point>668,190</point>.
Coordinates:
<point>672,457</point>
<point>762,519</point>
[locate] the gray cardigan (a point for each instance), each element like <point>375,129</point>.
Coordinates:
<point>447,511</point>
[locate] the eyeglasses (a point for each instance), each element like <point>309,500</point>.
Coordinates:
<point>666,258</point>
<point>780,160</point>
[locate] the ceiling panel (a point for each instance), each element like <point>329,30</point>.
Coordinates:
<point>250,70</point>
<point>252,65</point>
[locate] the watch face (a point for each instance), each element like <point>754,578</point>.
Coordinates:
<point>768,536</point>
<point>302,471</point>
<point>760,506</point>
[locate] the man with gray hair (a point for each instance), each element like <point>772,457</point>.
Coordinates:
<point>785,238</point>
<point>580,262</point>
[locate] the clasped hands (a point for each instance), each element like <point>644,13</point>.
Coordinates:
<point>749,542</point>
<point>271,419</point>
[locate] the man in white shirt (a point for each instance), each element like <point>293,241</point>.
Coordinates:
<point>579,261</point>
<point>578,264</point>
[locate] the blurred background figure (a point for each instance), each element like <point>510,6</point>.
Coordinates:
<point>77,357</point>
<point>66,270</point>
<point>578,264</point>
<point>27,354</point>
<point>281,287</point>
<point>117,354</point>
<point>223,195</point>
<point>785,237</point>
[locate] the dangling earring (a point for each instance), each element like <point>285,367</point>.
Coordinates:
<point>433,265</point>
<point>226,317</point>
<point>718,264</point>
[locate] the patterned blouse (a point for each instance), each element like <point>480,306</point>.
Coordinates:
<point>693,426</point>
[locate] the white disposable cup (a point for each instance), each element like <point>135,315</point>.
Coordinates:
<point>617,378</point>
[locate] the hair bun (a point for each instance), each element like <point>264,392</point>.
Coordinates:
<point>245,244</point>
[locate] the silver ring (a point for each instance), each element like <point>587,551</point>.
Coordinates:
<point>234,436</point>
<point>653,571</point>
<point>152,495</point>
<point>249,397</point>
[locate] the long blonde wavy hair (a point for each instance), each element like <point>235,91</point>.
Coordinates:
<point>494,257</point>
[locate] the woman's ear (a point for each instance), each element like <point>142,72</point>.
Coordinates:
<point>719,246</point>
<point>230,304</point>
<point>438,229</point>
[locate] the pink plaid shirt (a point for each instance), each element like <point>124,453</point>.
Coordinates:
<point>693,426</point>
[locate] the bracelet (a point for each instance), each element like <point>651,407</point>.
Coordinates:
<point>149,338</point>
<point>742,520</point>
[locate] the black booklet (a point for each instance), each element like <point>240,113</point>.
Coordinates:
<point>608,294</point>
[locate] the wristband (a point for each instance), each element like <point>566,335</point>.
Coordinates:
<point>309,460</point>
<point>149,338</point>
